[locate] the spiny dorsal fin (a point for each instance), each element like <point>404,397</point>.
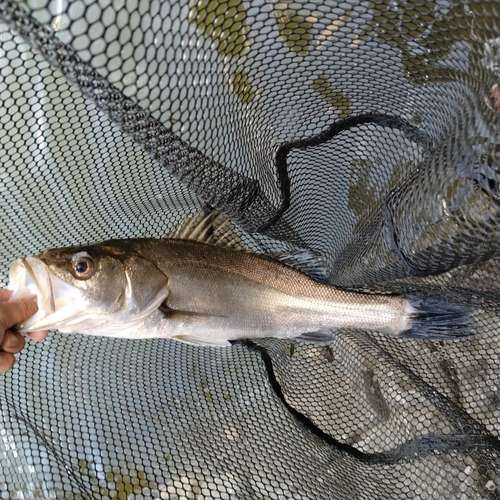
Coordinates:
<point>306,261</point>
<point>209,226</point>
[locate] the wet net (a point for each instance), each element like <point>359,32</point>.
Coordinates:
<point>366,131</point>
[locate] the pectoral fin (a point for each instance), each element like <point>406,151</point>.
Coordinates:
<point>193,318</point>
<point>175,313</point>
<point>202,342</point>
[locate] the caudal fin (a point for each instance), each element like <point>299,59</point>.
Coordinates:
<point>435,319</point>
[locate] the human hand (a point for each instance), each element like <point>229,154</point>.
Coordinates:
<point>12,313</point>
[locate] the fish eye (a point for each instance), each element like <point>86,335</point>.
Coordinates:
<point>83,267</point>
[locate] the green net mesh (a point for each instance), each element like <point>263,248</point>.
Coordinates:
<point>366,131</point>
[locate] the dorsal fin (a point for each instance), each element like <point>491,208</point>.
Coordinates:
<point>209,226</point>
<point>309,263</point>
<point>213,227</point>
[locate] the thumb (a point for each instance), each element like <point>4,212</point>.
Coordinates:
<point>16,311</point>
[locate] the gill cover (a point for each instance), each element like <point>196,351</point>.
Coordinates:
<point>144,290</point>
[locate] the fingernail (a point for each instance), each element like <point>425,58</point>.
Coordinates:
<point>13,343</point>
<point>32,297</point>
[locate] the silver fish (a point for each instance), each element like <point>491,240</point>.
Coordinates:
<point>194,286</point>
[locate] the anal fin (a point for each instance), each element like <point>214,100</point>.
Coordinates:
<point>202,342</point>
<point>319,337</point>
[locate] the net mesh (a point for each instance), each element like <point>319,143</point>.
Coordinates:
<point>364,131</point>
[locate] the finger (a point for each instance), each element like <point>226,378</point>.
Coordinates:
<point>13,342</point>
<point>38,336</point>
<point>16,311</point>
<point>4,295</point>
<point>7,361</point>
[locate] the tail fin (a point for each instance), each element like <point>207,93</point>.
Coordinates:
<point>435,319</point>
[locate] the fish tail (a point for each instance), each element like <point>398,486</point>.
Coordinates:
<point>435,319</point>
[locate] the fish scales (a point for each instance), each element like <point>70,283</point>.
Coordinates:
<point>201,286</point>
<point>243,292</point>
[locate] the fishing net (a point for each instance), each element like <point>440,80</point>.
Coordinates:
<point>365,131</point>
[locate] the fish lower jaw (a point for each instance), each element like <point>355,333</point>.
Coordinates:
<point>43,321</point>
<point>103,327</point>
<point>125,323</point>
<point>31,324</point>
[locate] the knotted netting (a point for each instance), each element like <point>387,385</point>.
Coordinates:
<point>366,131</point>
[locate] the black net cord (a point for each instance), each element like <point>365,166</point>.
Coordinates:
<point>235,195</point>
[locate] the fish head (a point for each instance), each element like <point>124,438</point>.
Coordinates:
<point>97,289</point>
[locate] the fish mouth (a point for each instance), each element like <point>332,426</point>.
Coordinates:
<point>46,300</point>
<point>30,276</point>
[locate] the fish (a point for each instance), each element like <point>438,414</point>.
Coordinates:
<point>202,286</point>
